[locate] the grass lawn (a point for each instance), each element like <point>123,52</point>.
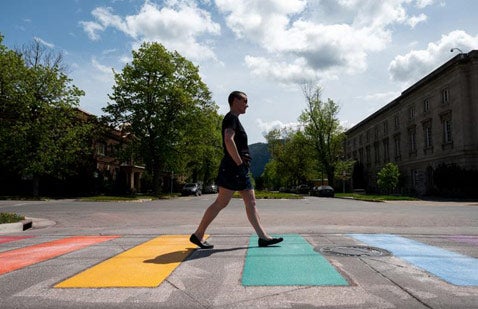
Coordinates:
<point>111,198</point>
<point>375,198</point>
<point>273,195</point>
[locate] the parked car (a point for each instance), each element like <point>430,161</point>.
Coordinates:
<point>323,191</point>
<point>303,189</point>
<point>191,189</point>
<point>210,189</point>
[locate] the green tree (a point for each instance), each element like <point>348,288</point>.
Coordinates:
<point>388,177</point>
<point>344,170</point>
<point>160,98</point>
<point>292,162</point>
<point>40,133</point>
<point>322,127</point>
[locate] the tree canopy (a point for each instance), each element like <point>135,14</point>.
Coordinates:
<point>292,161</point>
<point>161,100</point>
<point>39,132</point>
<point>323,129</point>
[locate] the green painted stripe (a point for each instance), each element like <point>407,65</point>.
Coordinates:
<point>292,262</point>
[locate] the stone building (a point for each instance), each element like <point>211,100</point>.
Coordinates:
<point>433,122</point>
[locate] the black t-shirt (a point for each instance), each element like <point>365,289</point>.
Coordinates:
<point>231,121</point>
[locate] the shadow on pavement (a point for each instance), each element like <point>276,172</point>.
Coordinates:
<point>191,254</point>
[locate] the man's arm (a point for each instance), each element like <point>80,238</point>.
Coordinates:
<point>231,146</point>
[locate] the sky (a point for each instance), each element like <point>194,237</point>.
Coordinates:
<point>361,53</point>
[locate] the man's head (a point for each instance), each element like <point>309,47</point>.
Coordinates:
<point>238,102</point>
<point>236,95</point>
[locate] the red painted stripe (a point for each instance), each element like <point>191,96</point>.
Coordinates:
<point>19,258</point>
<point>4,239</point>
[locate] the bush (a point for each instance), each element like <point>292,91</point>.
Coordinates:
<point>10,218</point>
<point>388,177</point>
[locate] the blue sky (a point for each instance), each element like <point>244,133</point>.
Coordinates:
<point>363,53</point>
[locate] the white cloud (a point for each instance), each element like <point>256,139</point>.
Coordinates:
<point>381,96</point>
<point>177,25</point>
<point>415,20</point>
<point>424,3</point>
<point>266,127</point>
<point>418,63</point>
<point>283,72</point>
<point>43,42</point>
<point>100,67</point>
<point>322,47</point>
<point>109,51</point>
<point>91,28</point>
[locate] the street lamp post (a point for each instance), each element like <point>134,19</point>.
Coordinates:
<point>172,176</point>
<point>344,174</point>
<point>456,49</point>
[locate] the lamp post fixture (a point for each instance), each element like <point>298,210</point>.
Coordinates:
<point>456,49</point>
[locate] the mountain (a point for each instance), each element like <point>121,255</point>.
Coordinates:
<point>260,157</point>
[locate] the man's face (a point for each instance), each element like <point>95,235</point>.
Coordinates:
<point>241,104</point>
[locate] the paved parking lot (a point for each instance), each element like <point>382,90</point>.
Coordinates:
<point>93,235</point>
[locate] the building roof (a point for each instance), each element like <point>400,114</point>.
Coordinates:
<point>458,59</point>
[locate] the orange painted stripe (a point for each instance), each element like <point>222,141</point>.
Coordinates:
<point>19,258</point>
<point>4,239</point>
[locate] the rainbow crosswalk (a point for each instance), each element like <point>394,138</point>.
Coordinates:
<point>148,264</point>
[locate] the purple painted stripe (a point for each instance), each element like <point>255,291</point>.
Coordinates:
<point>465,239</point>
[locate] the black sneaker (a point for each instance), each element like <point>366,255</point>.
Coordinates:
<point>268,242</point>
<point>197,242</point>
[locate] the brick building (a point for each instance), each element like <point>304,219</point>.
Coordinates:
<point>109,169</point>
<point>433,122</point>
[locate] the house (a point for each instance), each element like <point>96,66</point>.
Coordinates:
<point>431,124</point>
<point>112,173</point>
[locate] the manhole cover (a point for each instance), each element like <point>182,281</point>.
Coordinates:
<point>354,251</point>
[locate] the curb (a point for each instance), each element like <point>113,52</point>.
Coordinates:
<point>16,227</point>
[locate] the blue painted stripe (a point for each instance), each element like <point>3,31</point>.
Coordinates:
<point>292,262</point>
<point>452,267</point>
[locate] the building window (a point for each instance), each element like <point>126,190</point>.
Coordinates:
<point>447,129</point>
<point>411,112</point>
<point>445,96</point>
<point>427,135</point>
<point>386,152</point>
<point>361,139</point>
<point>367,136</point>
<point>426,105</point>
<point>376,133</point>
<point>396,141</point>
<point>414,174</point>
<point>412,141</point>
<point>385,128</point>
<point>397,122</point>
<point>376,150</point>
<point>367,155</point>
<point>101,149</point>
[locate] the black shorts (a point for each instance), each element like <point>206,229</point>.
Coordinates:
<point>234,177</point>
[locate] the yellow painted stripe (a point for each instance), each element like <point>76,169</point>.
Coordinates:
<point>145,265</point>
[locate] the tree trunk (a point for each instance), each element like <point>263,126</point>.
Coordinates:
<point>36,186</point>
<point>156,178</point>
<point>331,175</point>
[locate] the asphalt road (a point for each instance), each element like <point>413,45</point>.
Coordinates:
<point>212,279</point>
